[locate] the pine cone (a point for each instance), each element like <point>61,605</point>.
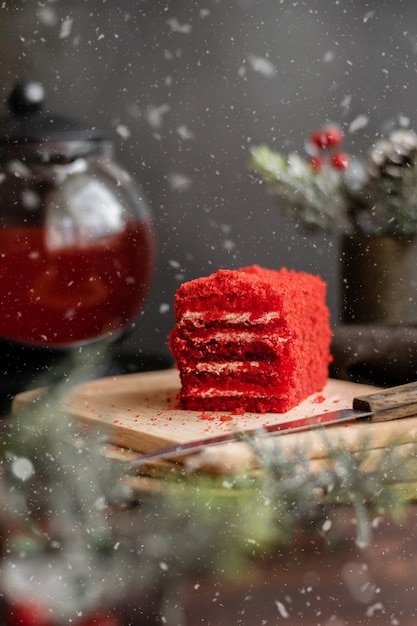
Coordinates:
<point>389,156</point>
<point>389,196</point>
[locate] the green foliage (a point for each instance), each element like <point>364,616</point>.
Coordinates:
<point>375,196</point>
<point>316,199</point>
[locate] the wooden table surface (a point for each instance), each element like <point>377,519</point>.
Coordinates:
<point>307,584</point>
<point>310,584</point>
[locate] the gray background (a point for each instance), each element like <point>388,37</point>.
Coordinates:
<point>191,85</point>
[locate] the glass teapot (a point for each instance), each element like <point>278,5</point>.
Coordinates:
<point>76,237</point>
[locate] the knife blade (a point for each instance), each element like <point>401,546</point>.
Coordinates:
<point>380,405</point>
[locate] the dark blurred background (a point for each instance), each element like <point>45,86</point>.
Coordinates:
<point>190,86</point>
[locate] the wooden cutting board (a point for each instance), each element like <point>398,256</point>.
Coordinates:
<point>138,411</point>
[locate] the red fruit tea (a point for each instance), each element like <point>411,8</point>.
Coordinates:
<point>54,294</point>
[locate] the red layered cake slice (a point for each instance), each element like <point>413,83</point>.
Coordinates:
<point>251,339</point>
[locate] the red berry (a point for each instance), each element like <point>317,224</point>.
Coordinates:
<point>316,163</point>
<point>318,139</point>
<point>334,136</point>
<point>327,137</point>
<point>340,160</point>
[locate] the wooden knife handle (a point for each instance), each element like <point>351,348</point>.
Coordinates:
<point>389,404</point>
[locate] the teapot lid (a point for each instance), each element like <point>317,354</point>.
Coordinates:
<point>27,122</point>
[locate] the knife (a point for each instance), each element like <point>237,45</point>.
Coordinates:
<point>379,406</point>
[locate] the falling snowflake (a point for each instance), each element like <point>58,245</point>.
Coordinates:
<point>179,182</point>
<point>22,468</point>
<point>66,28</point>
<point>262,65</point>
<point>123,131</point>
<point>175,26</point>
<point>154,115</point>
<point>368,16</point>
<point>47,16</point>
<point>358,123</point>
<point>281,609</point>
<point>30,200</point>
<point>371,610</point>
<point>328,56</point>
<point>184,132</point>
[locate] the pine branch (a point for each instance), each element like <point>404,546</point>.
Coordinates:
<point>376,197</point>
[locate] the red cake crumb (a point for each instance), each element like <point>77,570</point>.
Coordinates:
<point>252,339</point>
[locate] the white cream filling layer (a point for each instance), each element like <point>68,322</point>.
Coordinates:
<point>231,318</point>
<point>221,368</point>
<point>213,392</point>
<point>238,336</point>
